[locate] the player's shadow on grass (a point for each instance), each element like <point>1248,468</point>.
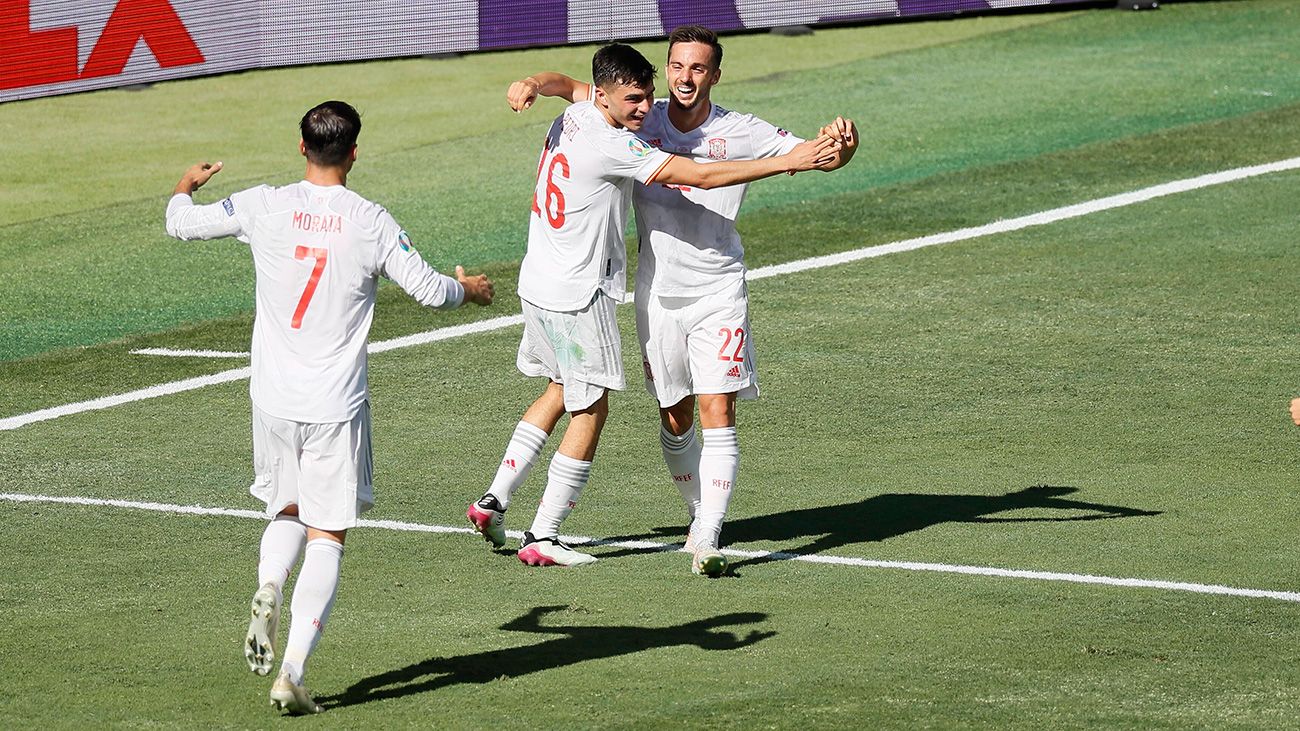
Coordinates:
<point>575,644</point>
<point>886,516</point>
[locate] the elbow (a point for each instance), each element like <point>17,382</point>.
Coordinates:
<point>179,232</point>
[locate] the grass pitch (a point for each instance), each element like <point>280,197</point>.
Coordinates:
<point>1136,362</point>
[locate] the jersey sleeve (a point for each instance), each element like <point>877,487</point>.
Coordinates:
<point>399,261</point>
<point>624,155</point>
<point>233,216</point>
<point>769,140</point>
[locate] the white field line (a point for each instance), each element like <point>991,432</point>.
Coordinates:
<point>170,353</point>
<point>1034,219</point>
<point>1215,589</point>
<point>406,341</point>
<point>190,384</point>
<point>1005,226</point>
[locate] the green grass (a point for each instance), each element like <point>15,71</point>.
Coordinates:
<point>930,98</point>
<point>1138,359</point>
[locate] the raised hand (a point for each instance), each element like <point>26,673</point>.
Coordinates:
<point>813,154</point>
<point>523,93</point>
<point>195,177</point>
<point>845,132</point>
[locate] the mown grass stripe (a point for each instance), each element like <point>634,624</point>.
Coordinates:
<point>1004,226</point>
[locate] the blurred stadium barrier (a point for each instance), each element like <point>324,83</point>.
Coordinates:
<point>50,47</point>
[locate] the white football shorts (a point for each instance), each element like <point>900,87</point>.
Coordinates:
<point>578,350</point>
<point>324,469</point>
<point>697,345</point>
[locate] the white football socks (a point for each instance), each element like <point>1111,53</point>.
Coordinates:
<point>719,463</point>
<point>565,480</point>
<point>313,598</point>
<point>682,455</point>
<point>521,453</point>
<point>282,544</point>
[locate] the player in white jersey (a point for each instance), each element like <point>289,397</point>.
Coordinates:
<point>573,275</point>
<point>692,303</point>
<point>318,252</point>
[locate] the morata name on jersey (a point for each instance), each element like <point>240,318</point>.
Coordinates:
<point>329,224</point>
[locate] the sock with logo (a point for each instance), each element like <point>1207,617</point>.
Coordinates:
<point>521,453</point>
<point>719,463</point>
<point>682,455</point>
<point>565,480</point>
<point>313,598</point>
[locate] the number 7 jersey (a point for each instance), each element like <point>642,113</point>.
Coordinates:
<point>318,252</point>
<point>580,204</point>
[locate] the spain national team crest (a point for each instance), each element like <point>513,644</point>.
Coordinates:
<point>717,149</point>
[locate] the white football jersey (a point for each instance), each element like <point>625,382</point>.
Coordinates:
<point>689,244</point>
<point>580,204</point>
<point>318,253</point>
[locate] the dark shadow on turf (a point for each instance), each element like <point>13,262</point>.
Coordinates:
<point>886,516</point>
<point>576,643</point>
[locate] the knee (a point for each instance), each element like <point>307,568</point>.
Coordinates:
<point>678,418</point>
<point>717,412</point>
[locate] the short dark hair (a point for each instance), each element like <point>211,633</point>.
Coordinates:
<point>329,132</point>
<point>697,34</point>
<point>619,63</point>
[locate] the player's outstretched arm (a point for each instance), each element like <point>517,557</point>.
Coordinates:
<point>845,132</point>
<point>186,221</point>
<point>807,155</point>
<point>523,93</point>
<point>478,288</point>
<point>1295,411</point>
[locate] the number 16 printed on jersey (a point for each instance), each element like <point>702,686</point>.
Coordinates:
<point>554,201</point>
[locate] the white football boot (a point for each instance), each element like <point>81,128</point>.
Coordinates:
<point>550,552</point>
<point>259,644</point>
<point>708,561</point>
<point>287,695</point>
<point>489,519</point>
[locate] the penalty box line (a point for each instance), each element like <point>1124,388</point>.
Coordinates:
<point>655,546</point>
<point>1005,226</point>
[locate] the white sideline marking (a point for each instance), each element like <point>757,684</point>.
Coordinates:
<point>190,384</point>
<point>1005,226</point>
<point>1034,219</point>
<point>170,353</point>
<point>1286,596</point>
<point>104,402</point>
<point>406,341</point>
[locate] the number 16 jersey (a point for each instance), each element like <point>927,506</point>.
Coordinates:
<point>580,205</point>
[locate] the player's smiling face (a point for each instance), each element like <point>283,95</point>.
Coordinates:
<point>691,73</point>
<point>625,105</point>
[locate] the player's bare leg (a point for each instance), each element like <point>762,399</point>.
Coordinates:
<point>281,548</point>
<point>313,598</point>
<point>488,513</point>
<point>719,464</point>
<point>570,468</point>
<point>681,452</point>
